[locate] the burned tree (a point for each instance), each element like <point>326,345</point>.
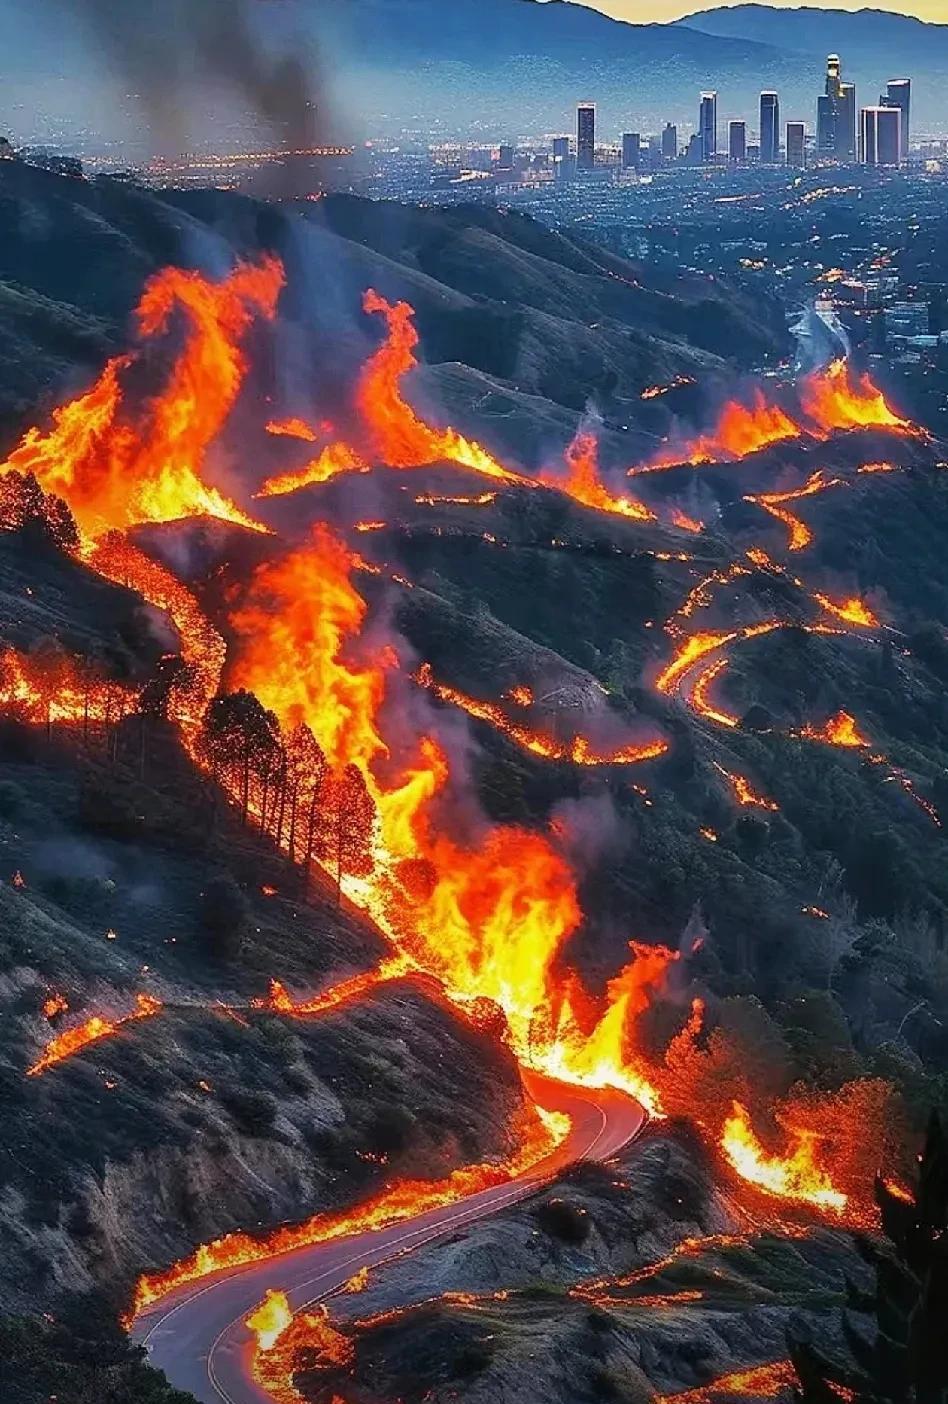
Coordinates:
<point>239,739</point>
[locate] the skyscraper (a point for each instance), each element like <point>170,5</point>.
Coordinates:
<point>708,126</point>
<point>769,129</point>
<point>880,136</point>
<point>670,142</point>
<point>846,123</point>
<point>631,151</point>
<point>898,94</point>
<point>562,159</point>
<point>586,136</point>
<point>796,144</point>
<point>737,142</point>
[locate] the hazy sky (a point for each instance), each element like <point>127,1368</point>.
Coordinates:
<point>644,11</point>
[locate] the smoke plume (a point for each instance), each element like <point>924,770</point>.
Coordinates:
<point>176,56</point>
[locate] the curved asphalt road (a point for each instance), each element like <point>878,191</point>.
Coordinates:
<point>197,1334</point>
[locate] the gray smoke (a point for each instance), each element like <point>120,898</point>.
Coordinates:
<point>175,57</point>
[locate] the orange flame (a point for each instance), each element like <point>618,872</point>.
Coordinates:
<point>92,1031</point>
<point>794,1176</point>
<point>580,750</point>
<point>851,611</point>
<point>399,436</point>
<point>583,482</point>
<point>114,472</point>
<point>774,503</point>
<point>840,730</point>
<point>834,399</point>
<point>743,792</point>
<point>270,1319</point>
<point>740,431</point>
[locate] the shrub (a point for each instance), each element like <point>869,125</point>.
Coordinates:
<point>570,1223</point>
<point>224,914</point>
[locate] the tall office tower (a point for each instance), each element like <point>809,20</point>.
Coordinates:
<point>898,94</point>
<point>796,145</point>
<point>825,128</point>
<point>880,136</point>
<point>708,126</point>
<point>631,151</point>
<point>737,142</point>
<point>769,129</point>
<point>670,142</point>
<point>562,158</point>
<point>586,136</point>
<point>505,158</point>
<point>846,123</point>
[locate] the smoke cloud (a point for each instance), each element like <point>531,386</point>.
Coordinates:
<point>177,56</point>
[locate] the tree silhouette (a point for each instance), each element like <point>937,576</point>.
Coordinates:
<point>239,739</point>
<point>305,771</point>
<point>347,824</point>
<point>902,1358</point>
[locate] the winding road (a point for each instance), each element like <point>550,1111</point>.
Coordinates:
<point>197,1335</point>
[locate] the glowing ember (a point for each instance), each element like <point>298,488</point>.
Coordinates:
<point>774,503</point>
<point>55,1004</point>
<point>370,526</point>
<point>309,1337</point>
<point>522,695</point>
<point>356,987</point>
<point>797,1175</point>
<point>432,499</point>
<point>756,1382</point>
<point>92,1031</point>
<point>292,429</point>
<point>583,482</point>
<point>694,648</point>
<point>840,730</point>
<point>653,392</point>
<point>700,695</point>
<point>580,750</point>
<point>743,792</point>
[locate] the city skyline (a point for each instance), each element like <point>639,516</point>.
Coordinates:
<point>665,11</point>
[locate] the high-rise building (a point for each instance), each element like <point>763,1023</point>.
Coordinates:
<point>631,151</point>
<point>708,126</point>
<point>769,129</point>
<point>846,124</point>
<point>737,142</point>
<point>880,131</point>
<point>505,158</point>
<point>562,158</point>
<point>898,94</point>
<point>796,144</point>
<point>836,116</point>
<point>586,136</point>
<point>670,142</point>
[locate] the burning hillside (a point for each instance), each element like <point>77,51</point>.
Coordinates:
<point>295,694</point>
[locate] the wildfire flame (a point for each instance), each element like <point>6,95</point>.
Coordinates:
<point>66,1044</point>
<point>840,730</point>
<point>796,1175</point>
<point>580,750</point>
<point>583,482</point>
<point>116,471</point>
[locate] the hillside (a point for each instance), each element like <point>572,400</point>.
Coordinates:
<point>424,691</point>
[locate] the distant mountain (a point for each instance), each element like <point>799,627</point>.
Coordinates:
<point>521,65</point>
<point>875,45</point>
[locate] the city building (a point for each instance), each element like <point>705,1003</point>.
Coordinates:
<point>585,136</point>
<point>898,94</point>
<point>505,158</point>
<point>904,320</point>
<point>562,158</point>
<point>708,127</point>
<point>769,129</point>
<point>836,116</point>
<point>880,132</point>
<point>670,142</point>
<point>737,142</point>
<point>631,151</point>
<point>796,144</point>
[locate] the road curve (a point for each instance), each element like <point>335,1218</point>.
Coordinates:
<point>197,1335</point>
